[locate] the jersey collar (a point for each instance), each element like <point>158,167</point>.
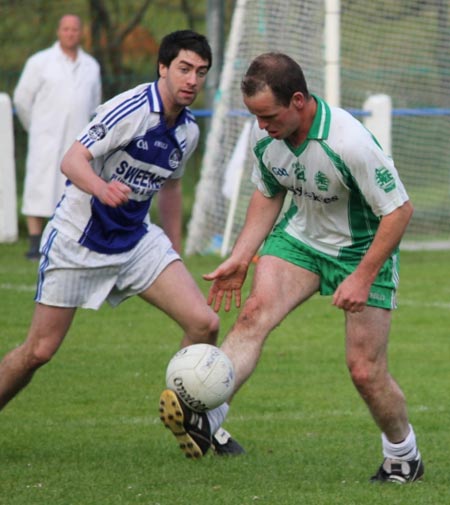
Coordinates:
<point>321,125</point>
<point>154,98</point>
<point>156,104</point>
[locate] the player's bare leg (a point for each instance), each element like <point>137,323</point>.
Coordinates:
<point>176,293</point>
<point>47,331</point>
<point>278,287</point>
<point>267,305</point>
<point>366,351</point>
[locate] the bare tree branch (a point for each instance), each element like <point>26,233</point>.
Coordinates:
<point>186,8</point>
<point>133,23</point>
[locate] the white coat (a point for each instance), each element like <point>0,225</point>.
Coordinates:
<point>54,99</point>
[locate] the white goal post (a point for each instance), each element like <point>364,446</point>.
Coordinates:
<point>257,26</point>
<point>368,57</point>
<point>8,200</point>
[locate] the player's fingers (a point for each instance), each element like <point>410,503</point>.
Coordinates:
<point>118,192</point>
<point>211,276</point>
<point>228,300</point>
<point>337,299</point>
<point>111,197</point>
<point>210,298</point>
<point>237,298</point>
<point>356,307</point>
<point>218,300</point>
<point>125,193</point>
<point>122,193</point>
<point>124,188</point>
<point>112,201</point>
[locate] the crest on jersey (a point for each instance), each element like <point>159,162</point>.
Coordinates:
<point>299,171</point>
<point>322,181</point>
<point>175,158</point>
<point>97,131</point>
<point>384,179</point>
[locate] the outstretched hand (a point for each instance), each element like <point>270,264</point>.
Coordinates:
<point>228,279</point>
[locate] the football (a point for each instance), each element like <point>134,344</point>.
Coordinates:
<point>201,375</point>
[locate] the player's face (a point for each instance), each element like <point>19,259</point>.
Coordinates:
<point>182,80</point>
<point>279,121</point>
<point>69,32</point>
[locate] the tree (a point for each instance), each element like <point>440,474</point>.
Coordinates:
<point>107,36</point>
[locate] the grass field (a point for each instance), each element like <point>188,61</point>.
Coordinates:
<point>87,431</point>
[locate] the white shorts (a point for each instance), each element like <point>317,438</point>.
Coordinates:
<point>70,275</point>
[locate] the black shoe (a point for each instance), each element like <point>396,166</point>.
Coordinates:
<point>401,472</point>
<point>224,445</point>
<point>190,428</point>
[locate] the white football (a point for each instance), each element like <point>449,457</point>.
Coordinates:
<point>201,375</point>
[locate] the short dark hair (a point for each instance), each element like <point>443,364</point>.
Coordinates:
<point>277,71</point>
<point>188,40</point>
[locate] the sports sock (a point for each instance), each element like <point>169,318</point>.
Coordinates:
<point>34,241</point>
<point>406,450</point>
<point>217,416</point>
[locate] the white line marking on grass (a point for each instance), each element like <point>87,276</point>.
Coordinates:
<point>428,305</point>
<point>361,413</point>
<point>406,302</point>
<point>300,415</point>
<point>293,416</point>
<point>409,303</point>
<point>18,287</point>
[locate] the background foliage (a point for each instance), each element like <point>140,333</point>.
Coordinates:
<point>398,48</point>
<point>123,35</point>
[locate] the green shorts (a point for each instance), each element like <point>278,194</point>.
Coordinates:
<point>332,271</point>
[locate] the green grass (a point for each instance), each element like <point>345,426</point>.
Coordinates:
<point>86,431</point>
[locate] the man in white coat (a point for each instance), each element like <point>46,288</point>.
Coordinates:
<point>57,93</point>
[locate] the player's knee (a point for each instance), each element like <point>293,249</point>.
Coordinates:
<point>212,328</point>
<point>359,376</point>
<point>39,355</point>
<point>253,314</point>
<point>206,328</point>
<point>364,375</point>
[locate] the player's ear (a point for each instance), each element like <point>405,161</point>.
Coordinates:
<point>162,70</point>
<point>298,100</point>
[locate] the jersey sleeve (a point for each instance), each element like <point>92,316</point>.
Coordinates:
<point>115,124</point>
<point>374,173</point>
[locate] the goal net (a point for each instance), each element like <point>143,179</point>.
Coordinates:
<point>395,49</point>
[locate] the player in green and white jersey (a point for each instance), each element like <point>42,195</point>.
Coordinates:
<point>339,237</point>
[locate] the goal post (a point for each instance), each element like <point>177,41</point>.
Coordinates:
<point>379,119</point>
<point>385,56</point>
<point>257,26</point>
<point>8,200</point>
<point>209,190</point>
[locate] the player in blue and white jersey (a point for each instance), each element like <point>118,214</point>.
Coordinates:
<point>339,237</point>
<point>100,244</point>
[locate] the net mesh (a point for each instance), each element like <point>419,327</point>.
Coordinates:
<point>401,49</point>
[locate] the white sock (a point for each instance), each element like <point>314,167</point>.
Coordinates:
<point>406,450</point>
<point>217,416</point>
